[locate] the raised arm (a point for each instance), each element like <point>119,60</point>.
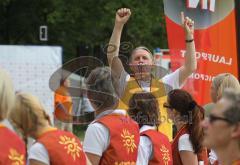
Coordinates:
<point>122,16</point>
<point>190,64</point>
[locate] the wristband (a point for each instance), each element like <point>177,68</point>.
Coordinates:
<point>189,40</point>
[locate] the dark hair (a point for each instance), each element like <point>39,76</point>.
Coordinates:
<point>143,108</point>
<point>183,103</point>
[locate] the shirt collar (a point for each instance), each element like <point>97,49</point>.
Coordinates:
<point>147,127</point>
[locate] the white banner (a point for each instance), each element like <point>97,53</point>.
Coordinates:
<point>30,68</point>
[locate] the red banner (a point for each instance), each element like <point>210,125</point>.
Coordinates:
<point>215,39</point>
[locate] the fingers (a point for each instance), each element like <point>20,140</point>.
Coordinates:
<point>124,12</point>
<point>182,17</point>
<point>186,21</point>
<point>189,22</point>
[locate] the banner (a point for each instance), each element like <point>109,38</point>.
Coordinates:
<point>30,68</point>
<point>215,40</point>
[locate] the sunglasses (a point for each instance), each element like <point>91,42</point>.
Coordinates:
<point>165,105</point>
<point>212,118</point>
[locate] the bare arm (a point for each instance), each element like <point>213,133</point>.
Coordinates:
<point>35,162</point>
<point>122,16</point>
<point>188,157</point>
<point>190,64</point>
<point>94,159</point>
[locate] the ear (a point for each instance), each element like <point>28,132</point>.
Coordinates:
<point>236,132</point>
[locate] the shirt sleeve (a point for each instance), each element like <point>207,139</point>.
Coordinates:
<point>144,150</point>
<point>38,152</point>
<point>184,143</point>
<point>172,79</point>
<point>96,139</point>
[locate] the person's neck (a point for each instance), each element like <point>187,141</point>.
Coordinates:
<point>228,154</point>
<point>42,129</point>
<point>103,110</point>
<point>142,77</point>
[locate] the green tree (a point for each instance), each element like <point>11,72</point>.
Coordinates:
<point>78,23</point>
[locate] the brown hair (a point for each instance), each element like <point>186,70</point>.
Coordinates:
<point>143,108</point>
<point>183,103</point>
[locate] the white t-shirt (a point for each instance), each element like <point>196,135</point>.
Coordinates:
<point>97,138</point>
<point>171,79</point>
<point>184,143</point>
<point>145,147</point>
<point>7,124</point>
<point>38,152</point>
<point>212,157</point>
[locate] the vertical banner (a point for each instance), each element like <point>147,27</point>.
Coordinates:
<point>215,40</point>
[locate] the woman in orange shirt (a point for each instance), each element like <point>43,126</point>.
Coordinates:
<point>52,146</point>
<point>186,114</point>
<point>12,147</point>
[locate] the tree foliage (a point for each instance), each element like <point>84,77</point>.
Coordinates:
<point>75,23</point>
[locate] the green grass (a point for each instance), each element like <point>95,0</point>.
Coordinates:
<point>79,131</point>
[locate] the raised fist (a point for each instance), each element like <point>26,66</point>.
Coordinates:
<point>188,25</point>
<point>122,15</point>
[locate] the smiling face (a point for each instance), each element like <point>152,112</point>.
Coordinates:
<point>217,130</point>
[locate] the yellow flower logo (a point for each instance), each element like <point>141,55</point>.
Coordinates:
<point>128,141</point>
<point>15,157</point>
<point>165,154</point>
<point>71,146</point>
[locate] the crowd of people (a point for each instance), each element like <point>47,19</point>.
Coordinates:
<point>135,115</point>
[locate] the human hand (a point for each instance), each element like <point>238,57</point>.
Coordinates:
<point>122,16</point>
<point>188,25</point>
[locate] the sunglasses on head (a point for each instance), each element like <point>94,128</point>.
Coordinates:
<point>212,118</point>
<point>165,105</point>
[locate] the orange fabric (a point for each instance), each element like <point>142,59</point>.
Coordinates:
<point>124,140</point>
<point>64,111</point>
<point>202,155</point>
<point>12,148</point>
<point>63,148</point>
<point>162,151</point>
<point>217,40</point>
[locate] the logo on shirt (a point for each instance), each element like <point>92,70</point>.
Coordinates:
<point>128,141</point>
<point>16,157</point>
<point>71,146</point>
<point>165,154</point>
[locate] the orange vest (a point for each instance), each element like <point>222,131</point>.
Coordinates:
<point>162,152</point>
<point>202,155</point>
<point>63,148</point>
<point>64,111</point>
<point>12,148</point>
<point>157,88</point>
<point>124,140</point>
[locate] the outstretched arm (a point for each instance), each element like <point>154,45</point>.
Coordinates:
<point>190,64</point>
<point>122,16</point>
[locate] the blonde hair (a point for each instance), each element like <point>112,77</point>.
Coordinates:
<point>223,81</point>
<point>28,114</point>
<point>7,95</point>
